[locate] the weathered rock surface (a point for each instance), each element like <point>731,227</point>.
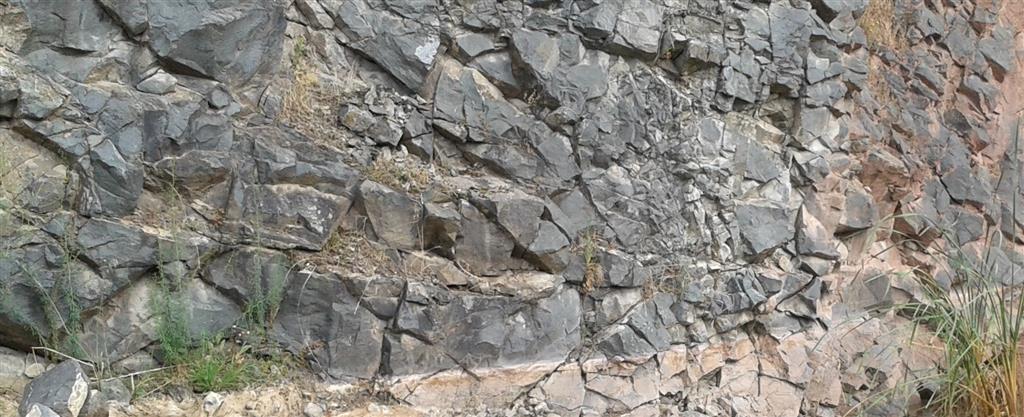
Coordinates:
<point>619,207</point>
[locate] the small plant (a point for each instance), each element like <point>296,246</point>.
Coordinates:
<point>300,53</point>
<point>593,273</point>
<point>170,304</point>
<point>172,324</point>
<point>264,303</point>
<point>65,291</point>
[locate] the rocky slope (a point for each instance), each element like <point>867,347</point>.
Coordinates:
<point>617,207</point>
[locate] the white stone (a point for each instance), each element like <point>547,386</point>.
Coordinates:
<point>159,83</point>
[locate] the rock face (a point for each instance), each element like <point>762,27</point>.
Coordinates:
<point>619,207</point>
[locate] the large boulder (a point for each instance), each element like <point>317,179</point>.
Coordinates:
<point>229,42</point>
<point>488,331</point>
<point>321,317</point>
<point>62,390</point>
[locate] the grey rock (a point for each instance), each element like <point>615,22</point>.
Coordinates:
<point>82,27</point>
<point>287,216</point>
<point>550,248</point>
<point>124,325</point>
<point>62,389</point>
<point>283,157</point>
<point>497,136</point>
<point>518,213</point>
<point>967,186</point>
<point>39,410</point>
<point>158,83</point>
<point>385,132</point>
<point>859,211</point>
<point>763,226</point>
<point>228,42</point>
<point>982,94</point>
<point>961,40</point>
<point>15,370</point>
<point>322,318</point>
<point>817,123</point>
<point>440,226</point>
<point>315,13</point>
<point>790,34</point>
<point>646,322</point>
<point>624,27</point>
<point>25,93</point>
<point>394,216</point>
<point>762,164</point>
<point>482,247</point>
<point>998,49</point>
<point>497,67</point>
<point>33,370</point>
<point>568,73</point>
<point>404,45</point>
<point>408,355</point>
<point>313,410</point>
<point>929,23</point>
<point>470,45</point>
<point>479,331</point>
<point>120,250</point>
<point>829,9</point>
<point>212,401</point>
<point>116,181</point>
<point>813,239</point>
<point>248,274</point>
<point>619,270</point>
<point>356,118</point>
<point>110,393</point>
<point>622,341</point>
<point>967,226</point>
<point>129,14</point>
<point>218,98</point>
<point>694,50</point>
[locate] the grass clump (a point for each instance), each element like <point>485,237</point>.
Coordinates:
<point>589,247</point>
<point>883,26</point>
<point>979,323</point>
<point>216,365</point>
<point>407,174</point>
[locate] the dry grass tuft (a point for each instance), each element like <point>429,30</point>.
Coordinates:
<point>883,26</point>
<point>311,106</point>
<point>588,247</point>
<point>352,251</point>
<point>408,174</point>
